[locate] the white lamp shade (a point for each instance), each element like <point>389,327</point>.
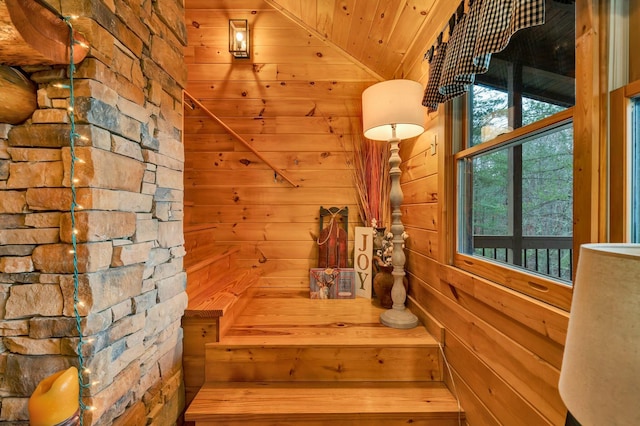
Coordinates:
<point>600,376</point>
<point>390,102</point>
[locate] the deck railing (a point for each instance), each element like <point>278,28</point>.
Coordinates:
<point>550,256</point>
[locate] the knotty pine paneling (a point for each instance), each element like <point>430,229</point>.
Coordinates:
<point>274,125</point>
<point>414,66</point>
<point>422,190</point>
<point>226,4</point>
<point>492,354</point>
<point>418,166</point>
<point>297,101</point>
<point>412,14</point>
<point>504,348</point>
<point>251,196</point>
<point>274,232</point>
<point>258,108</point>
<point>494,392</point>
<point>207,161</point>
<point>288,270</point>
<point>260,35</point>
<point>346,91</point>
<point>520,332</point>
<point>473,407</point>
<point>209,17</point>
<point>200,179</point>
<point>423,241</point>
<point>423,216</point>
<point>634,40</point>
<point>531,378</point>
<point>259,213</point>
<point>219,142</point>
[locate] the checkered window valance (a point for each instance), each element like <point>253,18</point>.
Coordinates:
<point>474,35</point>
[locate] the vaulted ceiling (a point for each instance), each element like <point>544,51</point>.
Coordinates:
<point>384,37</point>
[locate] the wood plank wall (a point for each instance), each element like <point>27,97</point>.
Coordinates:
<point>298,102</point>
<point>504,349</point>
<point>634,40</point>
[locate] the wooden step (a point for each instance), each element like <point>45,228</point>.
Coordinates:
<point>336,362</point>
<point>325,403</point>
<point>286,316</point>
<point>221,254</point>
<point>292,360</point>
<point>214,302</point>
<point>216,297</point>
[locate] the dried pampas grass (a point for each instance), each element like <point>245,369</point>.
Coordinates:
<point>371,178</point>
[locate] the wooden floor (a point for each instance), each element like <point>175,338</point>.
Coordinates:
<point>289,316</point>
<point>291,360</point>
<point>281,403</point>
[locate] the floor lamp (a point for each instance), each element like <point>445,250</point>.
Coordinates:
<point>600,374</point>
<point>391,111</point>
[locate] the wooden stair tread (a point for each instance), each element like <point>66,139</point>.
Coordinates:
<point>290,360</point>
<point>297,400</point>
<point>305,363</point>
<point>280,317</point>
<point>284,336</point>
<point>209,302</point>
<point>219,280</point>
<point>213,254</point>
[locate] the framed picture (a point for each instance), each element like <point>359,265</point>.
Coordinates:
<point>332,283</point>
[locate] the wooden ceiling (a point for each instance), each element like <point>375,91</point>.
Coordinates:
<point>364,40</point>
<point>378,35</point>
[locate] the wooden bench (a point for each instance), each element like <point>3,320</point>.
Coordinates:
<point>218,291</point>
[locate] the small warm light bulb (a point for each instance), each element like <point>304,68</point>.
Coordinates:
<point>72,251</point>
<point>81,304</point>
<point>70,109</point>
<point>239,35</point>
<point>79,207</point>
<point>87,371</point>
<point>75,231</point>
<point>73,16</point>
<point>80,160</point>
<point>76,180</point>
<point>82,44</point>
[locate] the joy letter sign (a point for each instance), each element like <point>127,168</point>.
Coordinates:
<point>362,260</point>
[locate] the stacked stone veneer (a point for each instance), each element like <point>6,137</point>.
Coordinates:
<point>128,95</point>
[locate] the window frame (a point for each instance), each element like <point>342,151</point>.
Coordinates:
<point>545,289</point>
<point>590,127</point>
<point>620,185</point>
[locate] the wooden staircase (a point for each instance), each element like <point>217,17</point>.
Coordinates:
<point>218,291</point>
<point>289,360</point>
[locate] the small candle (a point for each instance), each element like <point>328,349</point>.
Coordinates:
<point>55,398</point>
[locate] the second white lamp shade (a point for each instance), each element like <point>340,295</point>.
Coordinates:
<point>600,376</point>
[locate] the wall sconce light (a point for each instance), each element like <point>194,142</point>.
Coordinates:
<point>239,38</point>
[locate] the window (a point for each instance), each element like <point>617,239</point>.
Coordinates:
<point>514,168</point>
<point>517,201</point>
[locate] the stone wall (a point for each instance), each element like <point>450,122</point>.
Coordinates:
<point>128,94</point>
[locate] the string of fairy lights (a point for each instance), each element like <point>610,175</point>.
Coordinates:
<point>77,302</point>
<point>74,203</point>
